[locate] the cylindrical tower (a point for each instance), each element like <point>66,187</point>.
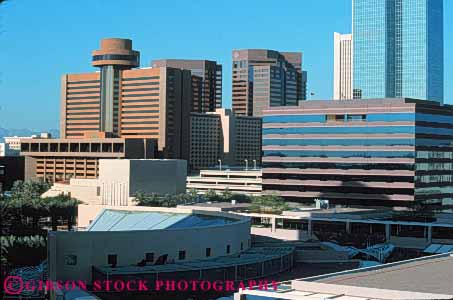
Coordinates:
<point>115,55</point>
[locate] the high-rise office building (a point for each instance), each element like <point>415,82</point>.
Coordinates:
<point>119,101</point>
<point>207,81</point>
<point>398,49</point>
<point>342,72</point>
<point>374,152</point>
<point>263,78</point>
<point>221,135</point>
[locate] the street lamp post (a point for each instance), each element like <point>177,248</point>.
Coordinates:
<point>246,165</point>
<point>220,164</point>
<point>254,164</point>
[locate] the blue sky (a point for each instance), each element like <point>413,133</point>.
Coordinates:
<point>41,40</point>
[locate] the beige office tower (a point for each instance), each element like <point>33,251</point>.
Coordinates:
<point>342,82</point>
<point>263,78</point>
<point>128,102</point>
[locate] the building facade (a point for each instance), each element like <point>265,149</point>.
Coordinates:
<point>374,152</point>
<point>221,137</point>
<point>263,78</point>
<point>6,150</point>
<point>241,181</point>
<point>248,144</point>
<point>147,103</point>
<point>59,160</point>
<point>184,235</point>
<point>404,55</point>
<point>206,140</point>
<point>11,170</point>
<point>342,72</point>
<point>13,142</point>
<point>207,84</point>
<point>120,180</point>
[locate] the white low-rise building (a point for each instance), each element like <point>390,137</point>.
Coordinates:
<point>6,150</point>
<point>247,182</point>
<point>14,141</point>
<point>120,179</point>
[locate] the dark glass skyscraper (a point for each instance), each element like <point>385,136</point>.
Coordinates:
<point>398,49</point>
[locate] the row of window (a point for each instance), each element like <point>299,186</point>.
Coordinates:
<point>341,166</point>
<point>134,58</point>
<point>360,130</point>
<point>112,259</point>
<point>356,142</point>
<point>338,177</point>
<point>389,117</point>
<point>359,189</point>
<point>435,179</point>
<point>434,154</point>
<point>438,166</point>
<point>367,154</point>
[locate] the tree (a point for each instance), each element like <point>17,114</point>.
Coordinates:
<point>193,194</point>
<point>60,206</point>
<point>211,195</point>
<point>241,198</point>
<point>227,195</point>
<point>268,204</point>
<point>29,189</point>
<point>5,214</point>
<point>144,199</point>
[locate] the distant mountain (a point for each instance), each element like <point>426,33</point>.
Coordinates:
<point>25,132</point>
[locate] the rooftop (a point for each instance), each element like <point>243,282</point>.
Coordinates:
<point>367,214</point>
<point>422,278</point>
<point>217,206</point>
<point>124,220</point>
<point>425,275</point>
<point>349,103</point>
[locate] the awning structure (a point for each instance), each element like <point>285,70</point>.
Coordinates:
<point>438,248</point>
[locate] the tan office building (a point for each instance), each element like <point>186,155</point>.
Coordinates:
<point>206,81</point>
<point>263,78</point>
<point>119,101</point>
<point>59,160</point>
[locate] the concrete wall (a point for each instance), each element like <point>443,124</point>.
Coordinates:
<point>158,176</point>
<point>121,179</point>
<point>30,168</point>
<point>321,256</point>
<point>92,248</point>
<point>85,190</point>
<point>282,234</point>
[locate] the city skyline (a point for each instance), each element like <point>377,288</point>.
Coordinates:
<point>66,49</point>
